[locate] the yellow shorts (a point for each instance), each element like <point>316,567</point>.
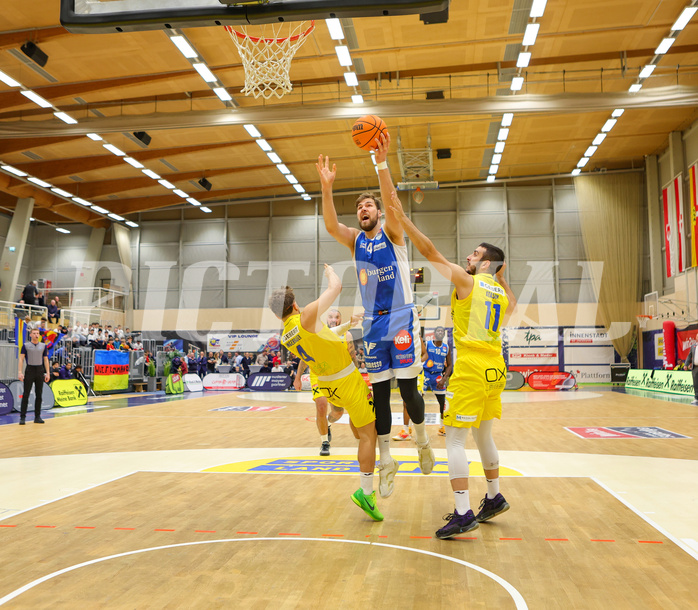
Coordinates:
<point>475,389</point>
<point>352,394</point>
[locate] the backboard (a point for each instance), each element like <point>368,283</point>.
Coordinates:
<point>105,16</point>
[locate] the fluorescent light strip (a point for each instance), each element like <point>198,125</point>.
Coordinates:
<point>618,112</point>
<point>37,99</point>
<point>132,224</point>
<point>150,174</point>
<point>664,46</point>
<point>61,192</point>
<point>496,159</point>
<point>181,193</point>
<point>350,79</point>
<point>357,99</point>
<point>222,94</point>
<point>167,184</point>
<point>114,150</point>
<point>39,182</point>
<point>264,145</point>
<point>538,8</point>
<point>503,134</point>
<point>13,170</point>
<point>343,55</point>
<point>283,169</point>
<point>8,80</point>
<point>184,47</point>
<point>299,188</point>
<point>590,151</point>
<point>576,172</point>
<point>608,125</point>
<point>647,71</point>
<point>635,88</point>
<point>494,169</point>
<point>598,139</point>
<point>523,60</point>
<point>499,147</point>
<point>66,118</point>
<point>99,210</point>
<point>94,136</point>
<point>292,179</point>
<point>517,83</point>
<point>530,34</point>
<point>115,216</point>
<point>253,131</point>
<point>62,230</point>
<point>204,72</point>
<point>274,158</point>
<point>684,18</point>
<point>335,28</point>
<point>306,197</point>
<point>507,118</point>
<point>193,201</point>
<point>491,178</point>
<point>132,161</point>
<point>205,209</point>
<point>82,201</point>
<point>583,161</point>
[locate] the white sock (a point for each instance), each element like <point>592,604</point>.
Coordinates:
<point>492,487</point>
<point>420,432</point>
<point>324,438</point>
<point>462,498</point>
<point>366,482</point>
<point>384,448</point>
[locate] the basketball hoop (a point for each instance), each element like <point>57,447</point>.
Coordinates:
<point>418,196</point>
<point>642,320</point>
<point>267,58</point>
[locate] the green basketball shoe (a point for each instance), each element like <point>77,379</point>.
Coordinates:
<point>367,504</point>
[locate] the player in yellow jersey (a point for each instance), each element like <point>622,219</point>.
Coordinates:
<point>338,379</point>
<point>322,419</point>
<point>480,301</point>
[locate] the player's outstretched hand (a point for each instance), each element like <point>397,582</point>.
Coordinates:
<point>396,206</point>
<point>381,146</point>
<point>329,272</point>
<point>326,174</point>
<point>356,318</point>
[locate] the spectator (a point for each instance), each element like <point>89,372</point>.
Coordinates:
<point>110,344</point>
<point>192,364</point>
<point>42,326</point>
<point>40,299</point>
<point>276,360</point>
<point>119,333</point>
<point>53,313</point>
<point>137,345</point>
<point>29,293</point>
<point>79,375</point>
<point>245,365</point>
<point>202,364</point>
<point>58,304</point>
<point>222,358</point>
<point>125,346</point>
<point>55,371</point>
<point>211,363</point>
<point>21,309</point>
<point>66,371</point>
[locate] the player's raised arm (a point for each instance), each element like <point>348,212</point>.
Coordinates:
<point>391,226</point>
<point>341,232</point>
<point>452,272</point>
<point>499,278</point>
<point>310,318</point>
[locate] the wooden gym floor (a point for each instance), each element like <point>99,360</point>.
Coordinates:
<point>173,504</point>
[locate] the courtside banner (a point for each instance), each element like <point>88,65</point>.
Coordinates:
<point>686,338</point>
<point>224,381</point>
<point>7,401</point>
<point>192,383</point>
<point>111,370</point>
<point>69,393</point>
<point>671,382</point>
<point>557,380</point>
<point>693,199</point>
<point>515,381</point>
<point>530,337</point>
<point>533,356</point>
<point>586,337</point>
<point>269,382</point>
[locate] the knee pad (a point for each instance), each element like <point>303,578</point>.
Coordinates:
<point>489,456</point>
<point>458,467</point>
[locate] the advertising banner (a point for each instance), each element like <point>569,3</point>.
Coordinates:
<point>17,389</point>
<point>527,370</point>
<point>224,381</point>
<point>557,380</point>
<point>586,336</point>
<point>592,354</point>
<point>590,374</point>
<point>111,370</point>
<point>671,382</point>
<point>685,339</point>
<point>532,356</point>
<point>693,199</point>
<point>243,342</point>
<point>269,382</point>
<point>69,393</point>
<point>515,381</point>
<point>7,401</point>
<point>192,383</point>
<point>530,337</point>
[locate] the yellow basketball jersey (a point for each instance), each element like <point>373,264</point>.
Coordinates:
<point>477,319</point>
<point>325,353</point>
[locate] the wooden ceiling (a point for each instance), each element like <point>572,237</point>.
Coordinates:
<point>586,56</point>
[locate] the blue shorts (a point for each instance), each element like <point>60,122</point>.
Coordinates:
<point>430,383</point>
<point>391,345</point>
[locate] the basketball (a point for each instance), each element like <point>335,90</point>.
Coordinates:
<point>366,129</point>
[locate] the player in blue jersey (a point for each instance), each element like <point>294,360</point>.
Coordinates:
<point>391,323</point>
<point>437,369</point>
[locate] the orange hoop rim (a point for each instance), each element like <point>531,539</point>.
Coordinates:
<point>644,316</point>
<point>256,39</point>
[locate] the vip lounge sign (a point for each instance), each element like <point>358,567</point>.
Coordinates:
<point>671,382</point>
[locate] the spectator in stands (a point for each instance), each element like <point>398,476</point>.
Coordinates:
<point>119,333</point>
<point>53,313</point>
<point>79,375</point>
<point>58,304</point>
<point>222,358</point>
<point>238,361</point>
<point>245,365</point>
<point>211,363</point>
<point>29,293</point>
<point>291,367</point>
<point>43,326</point>
<point>137,345</point>
<point>110,344</point>
<point>125,346</point>
<point>276,361</point>
<point>66,371</point>
<point>55,371</point>
<point>108,332</point>
<point>202,364</point>
<point>231,359</point>
<point>192,364</point>
<point>21,309</point>
<point>41,299</point>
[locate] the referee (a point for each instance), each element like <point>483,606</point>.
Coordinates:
<point>37,372</point>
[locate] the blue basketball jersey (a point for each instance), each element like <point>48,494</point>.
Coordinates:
<point>436,358</point>
<point>384,273</point>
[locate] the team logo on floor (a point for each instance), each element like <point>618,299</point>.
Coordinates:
<point>625,432</point>
<point>343,464</point>
<point>255,408</point>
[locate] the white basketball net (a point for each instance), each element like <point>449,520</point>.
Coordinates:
<point>266,56</point>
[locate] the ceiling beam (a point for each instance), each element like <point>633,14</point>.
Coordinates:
<point>12,145</point>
